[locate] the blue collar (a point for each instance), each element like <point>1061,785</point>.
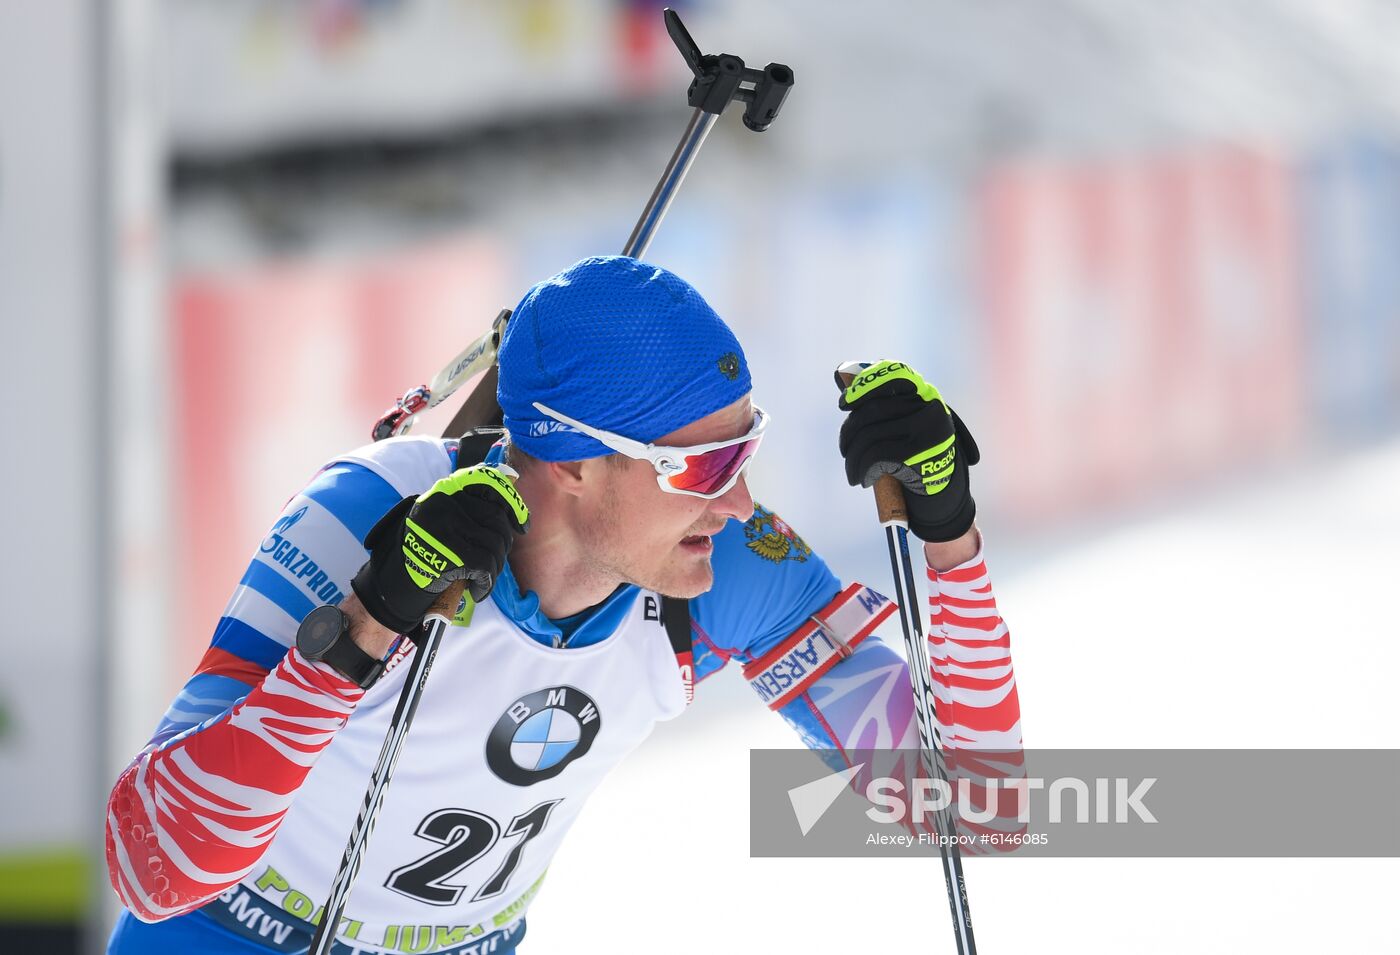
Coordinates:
<point>597,625</point>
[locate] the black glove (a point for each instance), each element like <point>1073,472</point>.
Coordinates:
<point>899,425</point>
<point>461,529</point>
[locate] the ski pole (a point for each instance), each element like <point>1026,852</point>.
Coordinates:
<point>427,641</point>
<point>893,516</point>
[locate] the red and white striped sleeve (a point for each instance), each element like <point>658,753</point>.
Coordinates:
<point>192,815</point>
<point>975,702</point>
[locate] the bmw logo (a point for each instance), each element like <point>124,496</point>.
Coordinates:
<point>541,733</point>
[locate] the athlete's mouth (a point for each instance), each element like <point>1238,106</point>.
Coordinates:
<point>701,538</point>
<point>698,543</point>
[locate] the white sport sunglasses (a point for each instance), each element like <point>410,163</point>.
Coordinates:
<point>700,470</point>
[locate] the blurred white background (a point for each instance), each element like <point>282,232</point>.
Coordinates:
<point>1147,250</point>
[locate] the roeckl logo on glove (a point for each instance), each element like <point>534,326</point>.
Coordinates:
<point>932,471</point>
<point>505,487</point>
<point>431,558</point>
<point>937,471</point>
<point>877,373</point>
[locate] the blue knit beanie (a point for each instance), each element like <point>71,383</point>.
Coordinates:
<point>619,345</point>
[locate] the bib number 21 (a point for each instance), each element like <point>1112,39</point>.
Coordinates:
<point>465,837</point>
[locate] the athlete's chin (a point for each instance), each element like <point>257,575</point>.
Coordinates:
<point>690,580</point>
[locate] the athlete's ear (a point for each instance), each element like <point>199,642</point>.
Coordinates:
<point>569,476</point>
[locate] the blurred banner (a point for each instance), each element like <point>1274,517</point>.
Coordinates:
<point>54,280</point>
<point>1349,194</point>
<point>1144,323</point>
<point>253,73</point>
<point>279,368</point>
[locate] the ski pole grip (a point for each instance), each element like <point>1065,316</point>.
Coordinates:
<point>889,501</point>
<point>889,493</point>
<point>446,604</point>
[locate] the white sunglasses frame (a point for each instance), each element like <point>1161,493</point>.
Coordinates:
<point>668,461</point>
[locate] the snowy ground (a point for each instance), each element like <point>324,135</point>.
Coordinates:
<point>1265,616</point>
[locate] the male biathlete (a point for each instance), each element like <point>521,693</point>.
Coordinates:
<point>630,424</point>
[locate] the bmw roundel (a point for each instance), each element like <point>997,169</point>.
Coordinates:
<point>541,733</point>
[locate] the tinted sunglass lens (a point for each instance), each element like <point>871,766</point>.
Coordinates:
<point>708,472</point>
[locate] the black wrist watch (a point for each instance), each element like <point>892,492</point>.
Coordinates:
<point>324,635</point>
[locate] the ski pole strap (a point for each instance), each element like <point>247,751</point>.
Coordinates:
<point>399,419</point>
<point>472,447</point>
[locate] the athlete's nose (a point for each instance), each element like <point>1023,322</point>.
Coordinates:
<point>736,502</point>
